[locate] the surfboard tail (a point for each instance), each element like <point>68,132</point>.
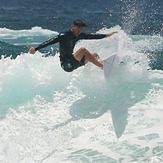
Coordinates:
<point>108,65</point>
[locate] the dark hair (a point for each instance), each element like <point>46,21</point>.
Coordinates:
<point>79,23</point>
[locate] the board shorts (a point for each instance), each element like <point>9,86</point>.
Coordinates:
<point>71,64</point>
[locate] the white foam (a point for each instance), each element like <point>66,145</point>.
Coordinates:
<point>54,116</point>
<point>35,31</point>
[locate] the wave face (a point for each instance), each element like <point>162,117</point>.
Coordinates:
<point>13,42</point>
<point>48,115</point>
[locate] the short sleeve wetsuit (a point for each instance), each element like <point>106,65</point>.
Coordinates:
<point>67,41</point>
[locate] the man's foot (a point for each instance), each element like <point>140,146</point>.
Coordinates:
<point>101,65</point>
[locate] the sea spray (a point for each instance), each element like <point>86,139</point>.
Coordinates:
<point>78,116</point>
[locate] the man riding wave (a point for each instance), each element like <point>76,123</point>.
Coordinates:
<point>67,41</point>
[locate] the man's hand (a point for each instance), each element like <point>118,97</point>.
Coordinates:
<point>32,50</point>
<point>110,34</point>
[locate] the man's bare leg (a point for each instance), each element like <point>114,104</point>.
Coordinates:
<point>88,57</point>
<point>94,55</point>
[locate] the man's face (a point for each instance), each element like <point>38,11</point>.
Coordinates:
<point>77,30</point>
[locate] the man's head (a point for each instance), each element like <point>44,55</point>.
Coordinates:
<point>77,27</point>
<point>79,23</point>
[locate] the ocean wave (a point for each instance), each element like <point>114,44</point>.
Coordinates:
<point>131,65</point>
<point>35,31</point>
<point>48,115</point>
<point>13,40</point>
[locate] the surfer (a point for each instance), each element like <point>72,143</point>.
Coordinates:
<point>67,41</point>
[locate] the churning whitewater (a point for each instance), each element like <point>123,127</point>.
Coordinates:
<point>48,115</point>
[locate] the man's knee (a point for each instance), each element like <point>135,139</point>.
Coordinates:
<point>95,54</point>
<point>84,50</point>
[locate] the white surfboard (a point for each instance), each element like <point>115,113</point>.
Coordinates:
<point>108,65</point>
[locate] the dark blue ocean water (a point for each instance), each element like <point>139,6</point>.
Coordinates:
<point>143,17</point>
<point>50,116</point>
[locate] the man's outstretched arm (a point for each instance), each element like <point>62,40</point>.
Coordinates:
<point>110,34</point>
<point>97,36</point>
<point>52,41</point>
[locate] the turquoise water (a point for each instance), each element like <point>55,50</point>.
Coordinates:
<point>48,115</point>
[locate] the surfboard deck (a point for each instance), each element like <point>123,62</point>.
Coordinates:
<point>108,65</point>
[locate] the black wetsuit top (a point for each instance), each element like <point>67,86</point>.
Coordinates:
<point>67,41</point>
